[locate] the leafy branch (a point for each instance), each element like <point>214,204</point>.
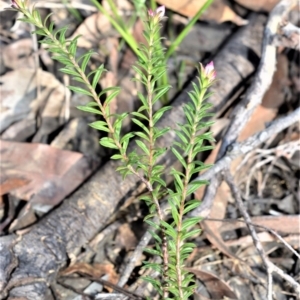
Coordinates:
<point>171,244</point>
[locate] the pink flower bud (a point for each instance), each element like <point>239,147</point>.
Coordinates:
<point>158,13</point>
<point>15,4</point>
<point>150,12</point>
<point>209,71</point>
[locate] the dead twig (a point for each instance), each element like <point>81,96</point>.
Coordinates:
<point>288,36</point>
<point>144,241</point>
<point>263,79</point>
<point>270,267</point>
<point>101,281</point>
<point>236,150</point>
<point>276,234</point>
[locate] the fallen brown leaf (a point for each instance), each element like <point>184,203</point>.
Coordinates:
<point>51,173</point>
<point>219,11</point>
<point>22,105</point>
<point>258,5</point>
<point>217,288</point>
<point>9,184</point>
<point>126,237</point>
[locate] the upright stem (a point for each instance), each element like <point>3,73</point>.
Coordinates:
<point>151,162</point>
<point>187,174</point>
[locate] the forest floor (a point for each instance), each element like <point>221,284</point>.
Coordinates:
<point>71,228</point>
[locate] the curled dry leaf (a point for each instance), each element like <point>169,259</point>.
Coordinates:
<point>23,104</point>
<point>19,53</point>
<point>92,31</point>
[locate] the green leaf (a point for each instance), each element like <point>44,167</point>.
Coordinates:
<point>139,72</point>
<point>186,224</point>
<point>85,61</point>
<point>37,17</point>
<point>139,123</point>
<point>179,157</point>
<point>97,76</point>
<point>46,19</point>
<point>51,26</point>
<point>73,46</point>
<point>143,146</point>
<point>92,104</point>
<point>79,90</point>
<point>107,91</point>
<point>191,233</point>
<point>63,60</point>
<point>181,136</point>
<point>160,93</point>
<point>159,180</point>
<point>100,125</point>
<point>62,34</point>
<point>125,140</point>
<point>155,236</point>
<point>152,251</point>
<point>142,135</point>
<point>152,224</point>
<point>174,212</point>
<point>169,229</point>
<point>89,109</point>
<point>149,279</point>
<point>201,168</point>
<point>160,113</point>
<point>139,115</point>
<point>117,156</point>
<point>108,143</point>
<point>190,205</point>
<point>158,169</point>
<point>194,185</point>
<point>79,79</point>
<point>112,95</point>
<point>161,132</point>
<point>69,71</point>
<point>39,32</point>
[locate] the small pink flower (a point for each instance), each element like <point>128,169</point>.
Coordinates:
<point>14,4</point>
<point>159,12</point>
<point>150,12</point>
<point>209,71</point>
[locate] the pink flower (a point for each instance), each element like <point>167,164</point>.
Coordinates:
<point>150,12</point>
<point>209,71</point>
<point>159,12</point>
<point>14,4</point>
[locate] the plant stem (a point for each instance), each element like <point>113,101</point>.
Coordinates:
<point>184,195</point>
<point>151,162</point>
